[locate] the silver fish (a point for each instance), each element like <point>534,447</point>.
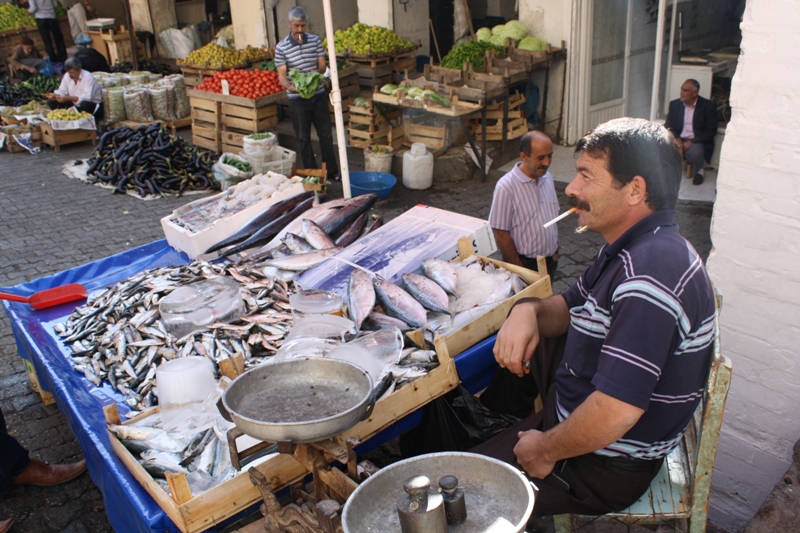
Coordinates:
<point>442,273</point>
<point>360,296</point>
<point>399,304</point>
<point>133,432</point>
<point>315,236</point>
<point>427,292</point>
<point>296,244</point>
<point>159,468</point>
<point>301,262</point>
<point>376,320</point>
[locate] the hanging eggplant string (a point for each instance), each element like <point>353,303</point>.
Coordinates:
<point>150,160</point>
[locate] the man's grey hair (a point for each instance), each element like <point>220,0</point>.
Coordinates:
<point>298,13</point>
<point>73,63</point>
<point>695,83</point>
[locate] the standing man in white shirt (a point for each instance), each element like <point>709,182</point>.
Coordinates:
<point>44,11</point>
<point>524,199</point>
<point>693,121</point>
<point>78,88</point>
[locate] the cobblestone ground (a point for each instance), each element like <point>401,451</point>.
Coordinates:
<point>50,223</point>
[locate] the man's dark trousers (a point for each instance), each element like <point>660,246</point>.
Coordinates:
<point>13,457</point>
<point>315,111</point>
<point>587,484</point>
<point>46,26</point>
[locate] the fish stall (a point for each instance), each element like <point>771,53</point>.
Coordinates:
<point>249,285</point>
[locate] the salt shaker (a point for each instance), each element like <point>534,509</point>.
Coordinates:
<point>455,506</point>
<point>421,510</point>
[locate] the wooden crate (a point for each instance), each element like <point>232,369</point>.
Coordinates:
<point>191,513</point>
<point>193,75</point>
<point>249,119</point>
<point>373,116</point>
<point>14,147</point>
<point>433,137</point>
<point>403,65</point>
<point>207,135</point>
<point>207,111</point>
<point>58,138</point>
<point>173,125</point>
<point>359,136</point>
<point>515,126</point>
<point>539,286</point>
<point>346,104</point>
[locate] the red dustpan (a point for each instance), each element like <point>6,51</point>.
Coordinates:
<point>50,297</point>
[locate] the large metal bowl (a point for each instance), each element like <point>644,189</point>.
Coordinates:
<point>499,497</point>
<point>301,400</point>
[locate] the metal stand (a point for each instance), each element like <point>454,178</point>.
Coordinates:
<point>314,511</point>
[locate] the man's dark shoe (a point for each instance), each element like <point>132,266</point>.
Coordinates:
<point>42,474</point>
<point>698,179</point>
<point>337,177</point>
<point>5,525</point>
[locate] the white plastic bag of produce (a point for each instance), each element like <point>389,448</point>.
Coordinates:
<point>137,106</point>
<point>260,144</point>
<point>176,43</point>
<point>227,174</point>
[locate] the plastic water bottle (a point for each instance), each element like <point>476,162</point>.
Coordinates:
<point>418,167</point>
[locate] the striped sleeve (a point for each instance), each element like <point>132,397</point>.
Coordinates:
<point>501,215</point>
<point>280,55</point>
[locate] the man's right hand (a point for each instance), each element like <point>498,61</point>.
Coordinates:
<point>518,338</point>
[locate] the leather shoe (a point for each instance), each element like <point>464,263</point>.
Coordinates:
<point>5,525</point>
<point>42,474</point>
<point>698,179</point>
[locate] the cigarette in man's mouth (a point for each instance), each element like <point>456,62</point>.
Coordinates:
<point>563,215</point>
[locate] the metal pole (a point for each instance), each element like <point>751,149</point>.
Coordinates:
<point>336,99</point>
<point>662,8</point>
<point>669,55</point>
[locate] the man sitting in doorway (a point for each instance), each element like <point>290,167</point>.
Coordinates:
<point>26,59</point>
<point>78,88</point>
<point>693,121</point>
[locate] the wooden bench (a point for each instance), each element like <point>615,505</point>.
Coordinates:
<point>680,491</point>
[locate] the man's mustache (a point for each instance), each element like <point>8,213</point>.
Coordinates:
<point>574,202</point>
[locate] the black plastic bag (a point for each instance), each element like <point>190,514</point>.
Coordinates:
<point>456,421</point>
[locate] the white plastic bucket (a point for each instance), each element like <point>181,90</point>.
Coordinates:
<point>418,167</point>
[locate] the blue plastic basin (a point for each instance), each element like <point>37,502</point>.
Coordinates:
<point>362,182</point>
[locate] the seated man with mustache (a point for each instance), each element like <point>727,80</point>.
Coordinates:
<point>622,356</point>
<point>524,199</point>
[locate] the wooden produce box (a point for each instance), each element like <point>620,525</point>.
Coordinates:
<point>364,136</point>
<point>193,514</point>
<point>515,127</point>
<point>346,104</point>
<point>375,73</point>
<point>373,116</point>
<point>539,286</point>
<point>433,137</point>
<point>193,75</point>
<point>14,147</point>
<point>409,398</point>
<point>206,123</point>
<point>457,107</point>
<point>173,125</point>
<point>58,138</point>
<point>249,119</point>
<point>403,66</point>
<point>507,69</point>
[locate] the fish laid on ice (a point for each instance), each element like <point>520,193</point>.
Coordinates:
<point>269,230</point>
<point>399,304</point>
<point>407,372</point>
<point>360,296</point>
<point>314,235</point>
<point>427,292</point>
<point>159,468</point>
<point>302,262</point>
<point>352,232</point>
<point>134,432</point>
<point>507,289</point>
<point>442,273</point>
<point>376,320</point>
<point>340,217</point>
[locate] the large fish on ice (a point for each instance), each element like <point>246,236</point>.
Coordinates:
<point>399,304</point>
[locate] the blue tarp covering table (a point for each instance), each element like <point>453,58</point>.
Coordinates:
<point>128,506</point>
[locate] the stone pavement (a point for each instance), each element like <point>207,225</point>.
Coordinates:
<point>50,223</point>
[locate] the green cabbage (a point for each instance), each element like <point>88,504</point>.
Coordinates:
<point>515,29</point>
<point>497,29</point>
<point>533,44</point>
<point>497,40</point>
<point>483,34</point>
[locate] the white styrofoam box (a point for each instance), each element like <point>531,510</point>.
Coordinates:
<point>100,24</point>
<point>400,246</point>
<point>194,244</point>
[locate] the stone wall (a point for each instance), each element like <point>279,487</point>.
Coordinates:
<point>756,238</point>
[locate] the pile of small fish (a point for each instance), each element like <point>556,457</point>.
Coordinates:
<point>119,336</point>
<point>454,295</point>
<point>202,455</point>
